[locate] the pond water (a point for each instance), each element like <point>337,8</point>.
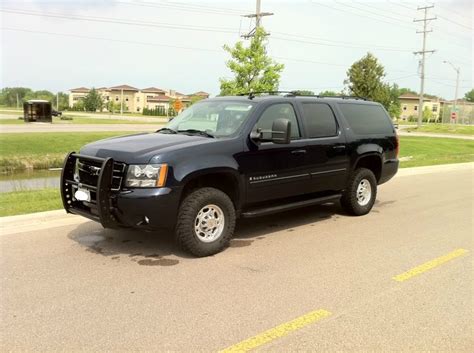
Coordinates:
<point>29,180</point>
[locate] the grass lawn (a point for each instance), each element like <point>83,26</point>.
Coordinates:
<point>21,202</point>
<point>42,151</point>
<point>445,129</point>
<point>81,120</point>
<point>431,151</point>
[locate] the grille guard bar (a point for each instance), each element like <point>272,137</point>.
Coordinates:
<point>102,189</point>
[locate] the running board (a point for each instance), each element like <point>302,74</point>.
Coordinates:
<point>289,206</point>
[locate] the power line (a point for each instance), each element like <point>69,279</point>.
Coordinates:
<point>334,43</point>
<point>109,39</point>
<point>120,21</point>
<point>173,6</point>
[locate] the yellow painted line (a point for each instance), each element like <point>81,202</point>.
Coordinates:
<point>429,265</point>
<point>277,332</point>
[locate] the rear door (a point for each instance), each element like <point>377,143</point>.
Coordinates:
<point>327,157</point>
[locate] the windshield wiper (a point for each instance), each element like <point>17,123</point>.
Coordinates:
<point>197,132</point>
<point>166,130</point>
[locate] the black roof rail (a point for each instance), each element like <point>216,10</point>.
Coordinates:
<point>296,93</point>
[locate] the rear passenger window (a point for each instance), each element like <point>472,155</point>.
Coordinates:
<point>366,119</point>
<point>319,120</point>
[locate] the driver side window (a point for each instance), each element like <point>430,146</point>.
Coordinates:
<point>279,111</point>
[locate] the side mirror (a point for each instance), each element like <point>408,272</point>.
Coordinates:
<point>281,131</point>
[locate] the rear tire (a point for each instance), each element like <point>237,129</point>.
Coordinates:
<point>206,222</point>
<point>359,196</point>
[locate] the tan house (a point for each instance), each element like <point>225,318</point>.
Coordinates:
<point>409,106</point>
<point>134,99</point>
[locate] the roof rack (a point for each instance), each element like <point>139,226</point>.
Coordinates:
<point>296,93</point>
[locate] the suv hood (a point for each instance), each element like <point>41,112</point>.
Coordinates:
<point>140,148</point>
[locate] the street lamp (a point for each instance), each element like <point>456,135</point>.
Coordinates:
<point>457,69</point>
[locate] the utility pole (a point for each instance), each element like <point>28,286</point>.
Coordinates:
<point>258,19</point>
<point>423,52</point>
<point>57,101</point>
<point>458,72</point>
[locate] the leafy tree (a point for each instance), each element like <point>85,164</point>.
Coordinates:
<point>469,96</point>
<point>427,114</point>
<point>365,79</point>
<point>93,101</point>
<point>405,90</point>
<point>113,107</point>
<point>304,92</point>
<point>63,101</point>
<point>78,106</point>
<point>195,99</point>
<point>253,69</point>
<point>328,93</point>
<point>8,95</point>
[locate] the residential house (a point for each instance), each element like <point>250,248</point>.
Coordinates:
<point>409,106</point>
<point>134,99</point>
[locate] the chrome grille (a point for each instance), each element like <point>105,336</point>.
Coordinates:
<point>88,173</point>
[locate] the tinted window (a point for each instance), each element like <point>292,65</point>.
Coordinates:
<point>366,119</point>
<point>319,120</point>
<point>279,111</point>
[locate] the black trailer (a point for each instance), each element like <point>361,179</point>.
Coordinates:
<point>37,110</point>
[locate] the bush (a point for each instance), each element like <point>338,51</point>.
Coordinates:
<point>157,111</point>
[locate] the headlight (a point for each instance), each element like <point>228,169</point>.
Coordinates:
<point>146,175</point>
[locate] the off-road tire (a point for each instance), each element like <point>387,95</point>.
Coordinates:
<point>349,198</point>
<point>188,210</point>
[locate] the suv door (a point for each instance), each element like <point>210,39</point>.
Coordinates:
<point>327,155</point>
<point>274,171</point>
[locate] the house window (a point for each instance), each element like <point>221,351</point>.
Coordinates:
<point>138,109</point>
<point>107,97</point>
<point>116,98</point>
<point>415,108</point>
<point>404,107</point>
<point>435,108</point>
<point>138,99</point>
<point>126,99</point>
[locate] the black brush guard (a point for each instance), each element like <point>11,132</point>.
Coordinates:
<point>102,190</point>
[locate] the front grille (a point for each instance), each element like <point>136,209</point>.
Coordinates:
<point>88,173</point>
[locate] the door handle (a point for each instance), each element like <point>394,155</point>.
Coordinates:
<point>298,152</point>
<point>339,147</point>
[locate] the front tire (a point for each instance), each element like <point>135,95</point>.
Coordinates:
<point>206,222</point>
<point>359,196</point>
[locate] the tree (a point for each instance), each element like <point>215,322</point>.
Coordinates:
<point>93,101</point>
<point>328,93</point>
<point>304,92</point>
<point>469,96</point>
<point>405,90</point>
<point>9,95</point>
<point>427,114</point>
<point>113,107</point>
<point>254,70</point>
<point>63,101</point>
<point>365,80</point>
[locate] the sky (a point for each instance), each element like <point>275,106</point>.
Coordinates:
<point>59,45</point>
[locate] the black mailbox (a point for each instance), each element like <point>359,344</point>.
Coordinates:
<point>36,110</point>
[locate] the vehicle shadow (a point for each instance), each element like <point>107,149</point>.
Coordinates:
<point>158,248</point>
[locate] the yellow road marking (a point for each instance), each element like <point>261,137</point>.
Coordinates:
<point>429,265</point>
<point>277,332</point>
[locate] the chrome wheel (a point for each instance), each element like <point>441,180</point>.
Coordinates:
<point>209,223</point>
<point>364,192</point>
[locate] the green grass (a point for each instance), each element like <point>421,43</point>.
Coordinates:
<point>80,120</point>
<point>21,202</point>
<point>431,151</point>
<point>445,129</point>
<point>42,151</point>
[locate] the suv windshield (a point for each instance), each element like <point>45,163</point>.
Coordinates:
<point>216,118</point>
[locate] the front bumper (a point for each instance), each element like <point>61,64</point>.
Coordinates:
<point>148,208</point>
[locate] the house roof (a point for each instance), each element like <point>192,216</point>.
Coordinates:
<point>411,96</point>
<point>80,90</point>
<point>200,93</point>
<point>153,90</point>
<point>123,87</point>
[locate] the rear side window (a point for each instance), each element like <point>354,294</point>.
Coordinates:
<point>319,120</point>
<point>366,119</point>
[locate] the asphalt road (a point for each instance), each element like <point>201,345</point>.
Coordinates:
<point>312,279</point>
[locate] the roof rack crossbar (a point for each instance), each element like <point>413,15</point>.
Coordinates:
<point>296,93</point>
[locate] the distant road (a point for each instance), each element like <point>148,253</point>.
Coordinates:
<point>45,127</point>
